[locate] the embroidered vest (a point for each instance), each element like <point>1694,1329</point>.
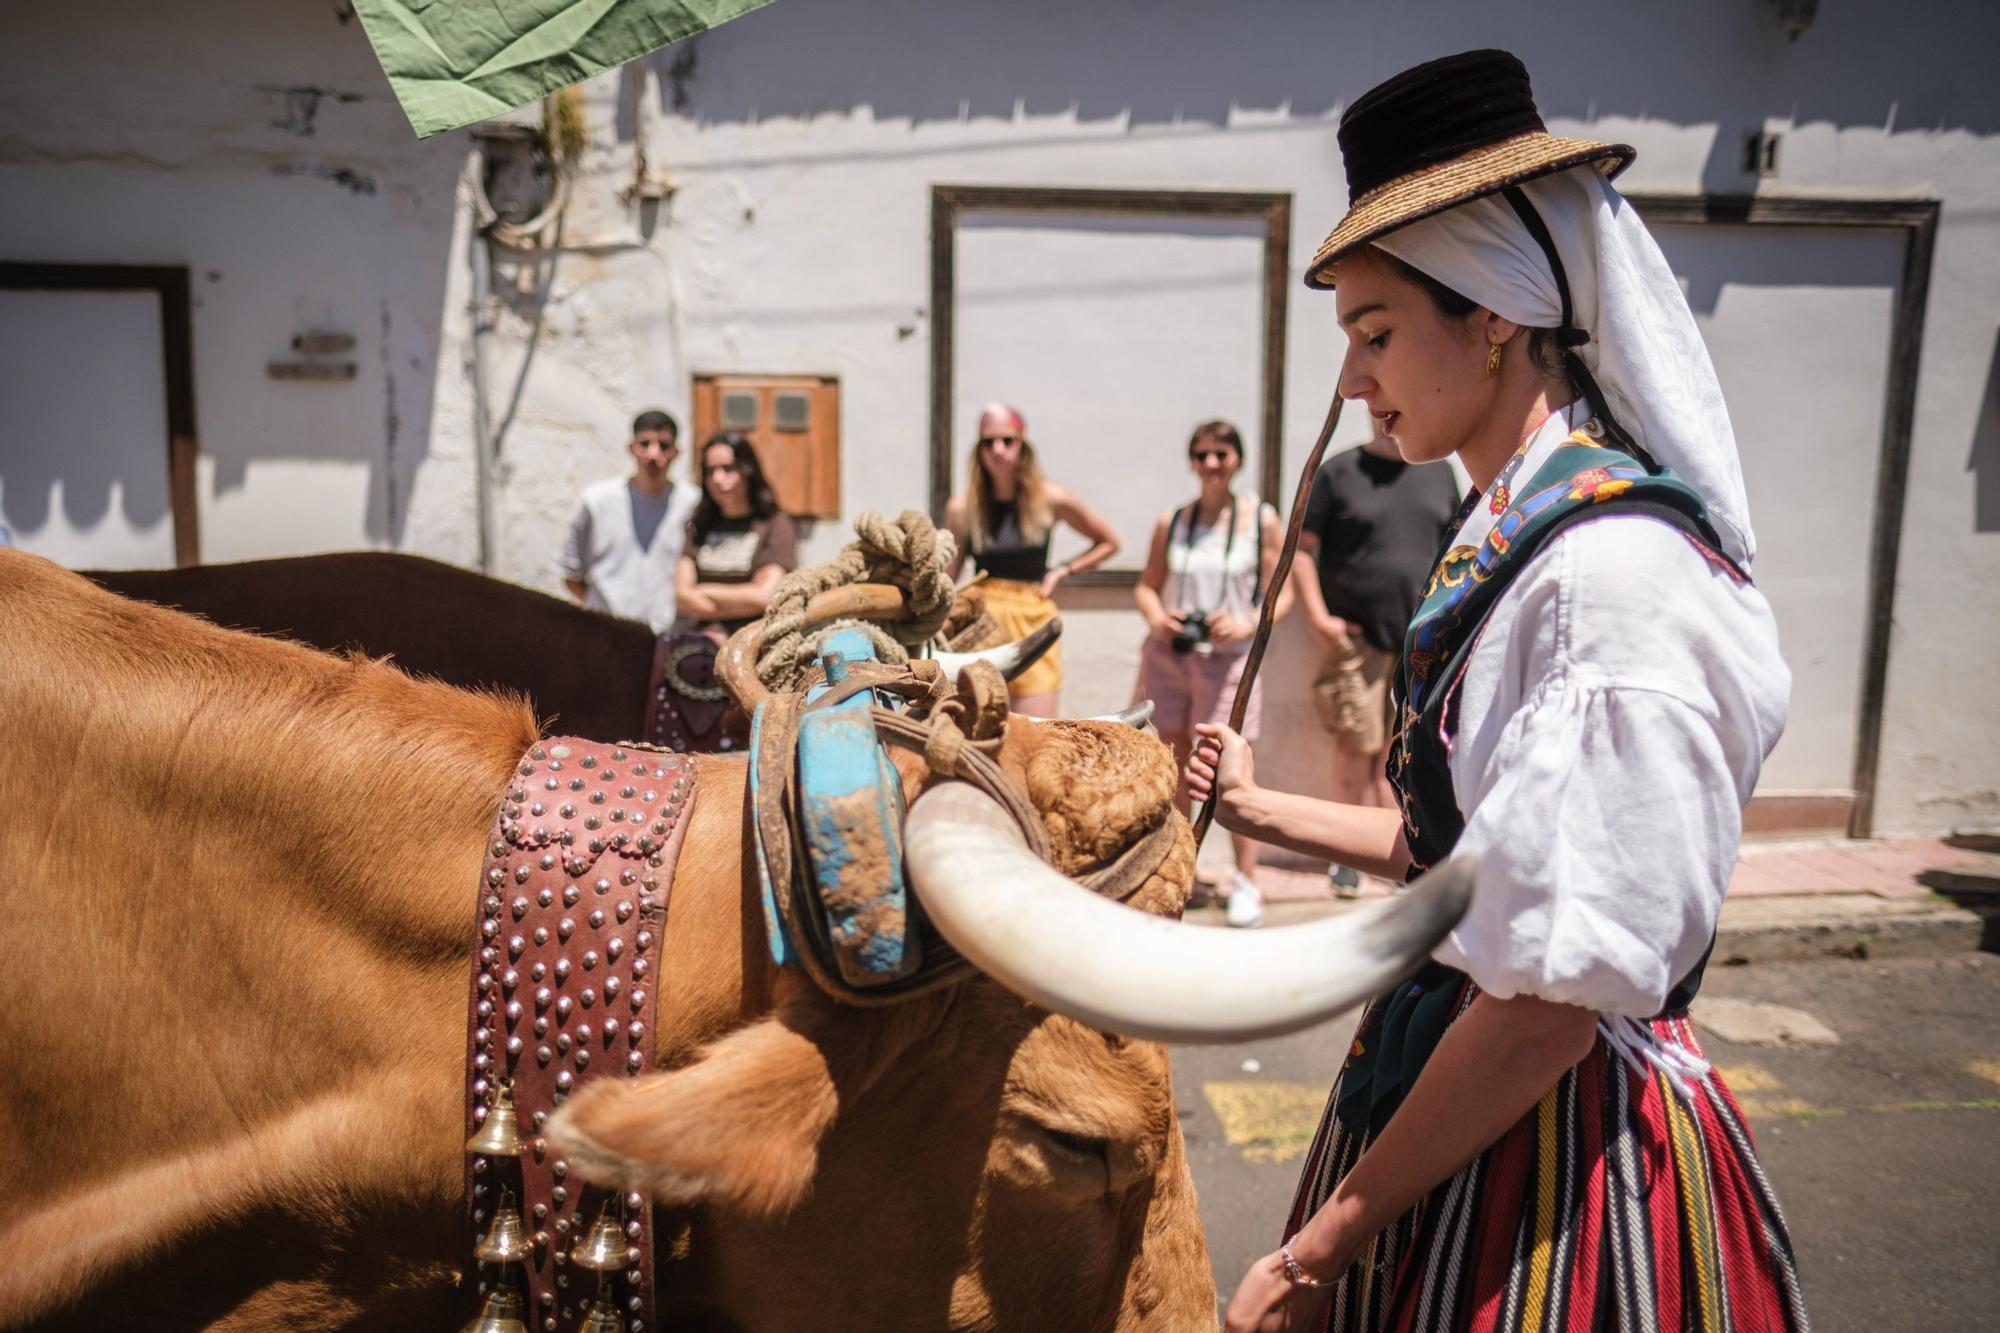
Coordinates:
<point>1581,480</point>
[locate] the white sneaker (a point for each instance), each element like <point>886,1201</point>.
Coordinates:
<point>1246,904</point>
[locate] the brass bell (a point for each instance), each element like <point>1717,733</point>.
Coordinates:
<point>500,1314</point>
<point>603,1318</point>
<point>602,1249</point>
<point>499,1134</point>
<point>506,1240</point>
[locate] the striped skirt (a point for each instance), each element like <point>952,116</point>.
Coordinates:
<point>1619,1202</point>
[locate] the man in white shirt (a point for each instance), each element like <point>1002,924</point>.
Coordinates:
<point>624,540</point>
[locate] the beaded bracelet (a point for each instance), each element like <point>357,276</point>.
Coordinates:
<point>1297,1275</point>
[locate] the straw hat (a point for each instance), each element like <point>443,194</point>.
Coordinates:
<point>1437,135</point>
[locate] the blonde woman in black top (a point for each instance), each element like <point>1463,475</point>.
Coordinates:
<point>1003,521</point>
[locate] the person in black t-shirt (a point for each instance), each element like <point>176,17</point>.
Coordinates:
<point>739,543</point>
<point>1373,527</point>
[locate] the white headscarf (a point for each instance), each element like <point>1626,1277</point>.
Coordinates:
<point>1644,350</point>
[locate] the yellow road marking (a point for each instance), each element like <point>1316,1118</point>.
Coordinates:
<point>1748,1078</point>
<point>1270,1122</point>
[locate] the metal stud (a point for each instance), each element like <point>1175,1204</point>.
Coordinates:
<point>562,964</point>
<point>582,1056</point>
<point>627,793</point>
<point>547,862</point>
<point>545,897</point>
<point>610,987</point>
<point>513,1046</point>
<point>543,1054</point>
<point>538,809</point>
<point>583,1032</point>
<point>638,998</point>
<point>541,1027</point>
<point>589,996</point>
<point>635,1061</point>
<point>514,1007</point>
<point>563,1006</point>
<point>563,1044</point>
<point>570,894</point>
<point>588,761</point>
<point>496,875</point>
<point>590,957</point>
<point>638,967</point>
<point>610,1024</point>
<point>541,934</point>
<point>567,811</point>
<point>520,906</point>
<point>576,784</point>
<point>596,918</point>
<point>637,1031</point>
<point>614,946</point>
<point>542,997</point>
<point>564,929</point>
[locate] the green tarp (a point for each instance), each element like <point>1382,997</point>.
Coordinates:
<point>452,62</point>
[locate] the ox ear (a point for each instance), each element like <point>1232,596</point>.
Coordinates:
<point>742,1125</point>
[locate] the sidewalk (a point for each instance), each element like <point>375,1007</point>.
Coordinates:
<point>1786,900</point>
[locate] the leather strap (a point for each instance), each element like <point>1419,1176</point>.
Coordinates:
<point>572,904</point>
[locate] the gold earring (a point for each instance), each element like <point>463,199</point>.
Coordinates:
<point>1493,360</point>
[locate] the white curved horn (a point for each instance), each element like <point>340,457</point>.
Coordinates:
<point>1012,658</point>
<point>1139,716</point>
<point>1054,942</point>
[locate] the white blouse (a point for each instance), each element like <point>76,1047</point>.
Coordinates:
<point>1618,703</point>
<point>1212,570</point>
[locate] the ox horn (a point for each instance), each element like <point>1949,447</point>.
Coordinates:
<point>1139,716</point>
<point>736,664</point>
<point>1055,943</point>
<point>1012,658</point>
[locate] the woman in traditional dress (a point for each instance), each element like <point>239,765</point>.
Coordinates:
<point>1207,573</point>
<point>1526,1134</point>
<point>1004,520</point>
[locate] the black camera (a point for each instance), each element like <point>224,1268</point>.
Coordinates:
<point>1192,633</point>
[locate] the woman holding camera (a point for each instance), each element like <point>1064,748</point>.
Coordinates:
<point>1206,577</point>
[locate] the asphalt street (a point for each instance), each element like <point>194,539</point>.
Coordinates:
<point>1873,1088</point>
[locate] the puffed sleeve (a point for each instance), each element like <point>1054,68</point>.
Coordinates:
<point>1613,720</point>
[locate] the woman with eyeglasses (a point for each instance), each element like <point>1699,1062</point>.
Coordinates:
<point>739,543</point>
<point>1004,521</point>
<point>1206,577</point>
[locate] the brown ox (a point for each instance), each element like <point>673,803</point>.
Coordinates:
<point>584,671</point>
<point>237,880</point>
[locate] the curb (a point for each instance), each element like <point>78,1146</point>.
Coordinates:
<point>1762,930</point>
<point>1778,929</point>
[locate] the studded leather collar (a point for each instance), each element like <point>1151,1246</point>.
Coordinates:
<point>572,899</point>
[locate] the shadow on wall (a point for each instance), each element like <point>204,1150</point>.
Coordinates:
<point>1984,464</point>
<point>1187,63</point>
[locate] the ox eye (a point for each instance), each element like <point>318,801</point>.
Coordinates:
<point>1079,1146</point>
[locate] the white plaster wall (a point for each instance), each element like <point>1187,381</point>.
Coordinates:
<point>256,144</point>
<point>804,140</point>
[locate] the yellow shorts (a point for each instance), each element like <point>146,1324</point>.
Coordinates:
<point>1020,609</point>
<point>1352,695</point>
